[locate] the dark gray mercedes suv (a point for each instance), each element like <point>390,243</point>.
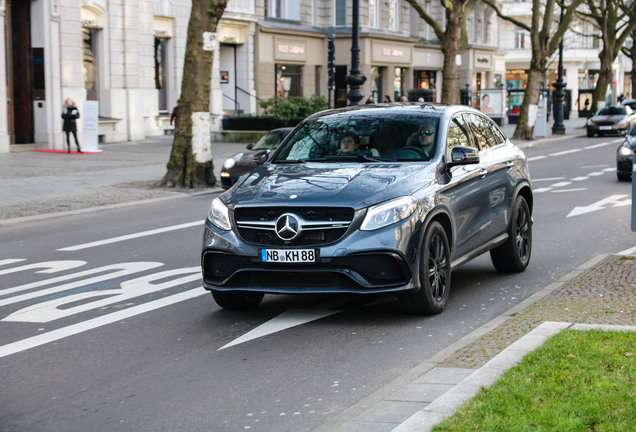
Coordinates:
<point>372,199</point>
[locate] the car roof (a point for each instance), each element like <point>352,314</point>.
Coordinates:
<point>382,109</point>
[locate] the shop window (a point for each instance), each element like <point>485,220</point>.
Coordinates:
<point>376,83</point>
<point>91,63</point>
<point>398,83</point>
<point>289,81</point>
<point>161,72</point>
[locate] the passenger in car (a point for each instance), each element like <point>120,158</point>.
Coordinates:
<point>349,144</point>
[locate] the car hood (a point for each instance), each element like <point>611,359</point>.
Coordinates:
<point>334,184</point>
<point>608,118</point>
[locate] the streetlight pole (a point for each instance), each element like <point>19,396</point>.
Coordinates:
<point>355,79</point>
<point>558,128</point>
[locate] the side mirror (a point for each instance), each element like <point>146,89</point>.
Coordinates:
<point>461,155</point>
<point>261,158</point>
<point>250,146</point>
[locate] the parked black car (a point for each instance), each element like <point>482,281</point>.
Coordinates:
<point>611,120</point>
<point>240,164</point>
<point>423,189</point>
<point>625,157</point>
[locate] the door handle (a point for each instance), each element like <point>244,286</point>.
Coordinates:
<point>510,164</point>
<point>482,172</point>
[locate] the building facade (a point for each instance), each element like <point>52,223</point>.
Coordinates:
<point>126,59</point>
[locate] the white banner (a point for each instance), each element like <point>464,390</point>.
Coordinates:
<point>90,124</point>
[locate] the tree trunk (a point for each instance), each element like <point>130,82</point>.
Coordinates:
<point>604,79</point>
<point>536,74</point>
<point>190,164</point>
<point>451,47</point>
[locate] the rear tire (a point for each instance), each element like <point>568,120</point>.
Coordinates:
<point>624,176</point>
<point>590,134</point>
<point>435,274</point>
<point>514,255</point>
<point>237,300</point>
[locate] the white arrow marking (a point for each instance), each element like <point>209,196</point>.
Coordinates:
<point>49,267</point>
<point>289,319</point>
<point>613,200</point>
<point>293,318</point>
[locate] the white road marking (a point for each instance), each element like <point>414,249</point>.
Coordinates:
<point>614,201</point>
<point>111,271</point>
<point>630,251</point>
<point>569,190</point>
<point>131,236</point>
<point>603,144</point>
<point>11,261</point>
<point>547,179</point>
<point>541,190</point>
<point>81,327</point>
<point>565,152</point>
<point>284,321</point>
<point>49,267</point>
<point>561,184</point>
<point>536,158</point>
<point>580,178</point>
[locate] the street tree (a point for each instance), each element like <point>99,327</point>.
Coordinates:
<point>190,164</point>
<point>453,39</point>
<point>615,19</point>
<point>630,51</point>
<point>545,34</point>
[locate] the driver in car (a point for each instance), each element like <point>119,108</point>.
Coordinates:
<point>424,139</point>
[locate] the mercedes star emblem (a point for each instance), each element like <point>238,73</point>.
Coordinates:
<point>288,227</point>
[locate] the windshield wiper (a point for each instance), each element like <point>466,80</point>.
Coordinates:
<point>371,158</point>
<point>290,161</point>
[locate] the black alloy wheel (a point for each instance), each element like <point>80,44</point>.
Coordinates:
<point>514,255</point>
<point>435,274</point>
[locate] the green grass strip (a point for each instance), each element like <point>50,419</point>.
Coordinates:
<point>577,381</point>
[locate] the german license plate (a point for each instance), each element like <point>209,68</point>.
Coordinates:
<point>288,255</point>
<point>604,128</point>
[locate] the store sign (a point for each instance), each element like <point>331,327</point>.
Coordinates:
<point>483,60</point>
<point>287,49</point>
<point>392,52</point>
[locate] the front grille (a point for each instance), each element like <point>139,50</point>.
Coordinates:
<point>321,225</point>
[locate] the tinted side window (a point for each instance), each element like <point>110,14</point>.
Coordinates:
<point>484,137</point>
<point>500,138</point>
<point>457,133</point>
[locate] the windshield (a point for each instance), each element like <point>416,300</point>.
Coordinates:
<point>612,111</point>
<point>363,136</point>
<point>270,140</point>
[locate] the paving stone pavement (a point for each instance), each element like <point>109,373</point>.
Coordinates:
<point>37,185</point>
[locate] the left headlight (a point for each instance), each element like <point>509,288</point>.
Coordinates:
<point>388,213</point>
<point>230,162</point>
<point>219,215</point>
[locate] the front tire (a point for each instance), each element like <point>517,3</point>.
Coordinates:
<point>435,274</point>
<point>514,255</point>
<point>623,176</point>
<point>237,300</point>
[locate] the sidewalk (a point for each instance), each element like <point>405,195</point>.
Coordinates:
<point>38,185</point>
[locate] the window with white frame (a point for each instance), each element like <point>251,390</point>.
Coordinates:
<point>340,6</point>
<point>520,39</point>
<point>374,6</point>
<point>283,9</point>
<point>394,15</point>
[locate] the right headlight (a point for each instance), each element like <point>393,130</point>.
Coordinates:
<point>626,150</point>
<point>219,215</point>
<point>388,213</point>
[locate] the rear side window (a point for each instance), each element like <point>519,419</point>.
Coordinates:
<point>481,130</point>
<point>457,133</point>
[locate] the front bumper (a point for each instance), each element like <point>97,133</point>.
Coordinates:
<point>382,261</point>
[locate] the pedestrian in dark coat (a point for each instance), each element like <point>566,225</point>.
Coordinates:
<point>70,115</point>
<point>175,114</point>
